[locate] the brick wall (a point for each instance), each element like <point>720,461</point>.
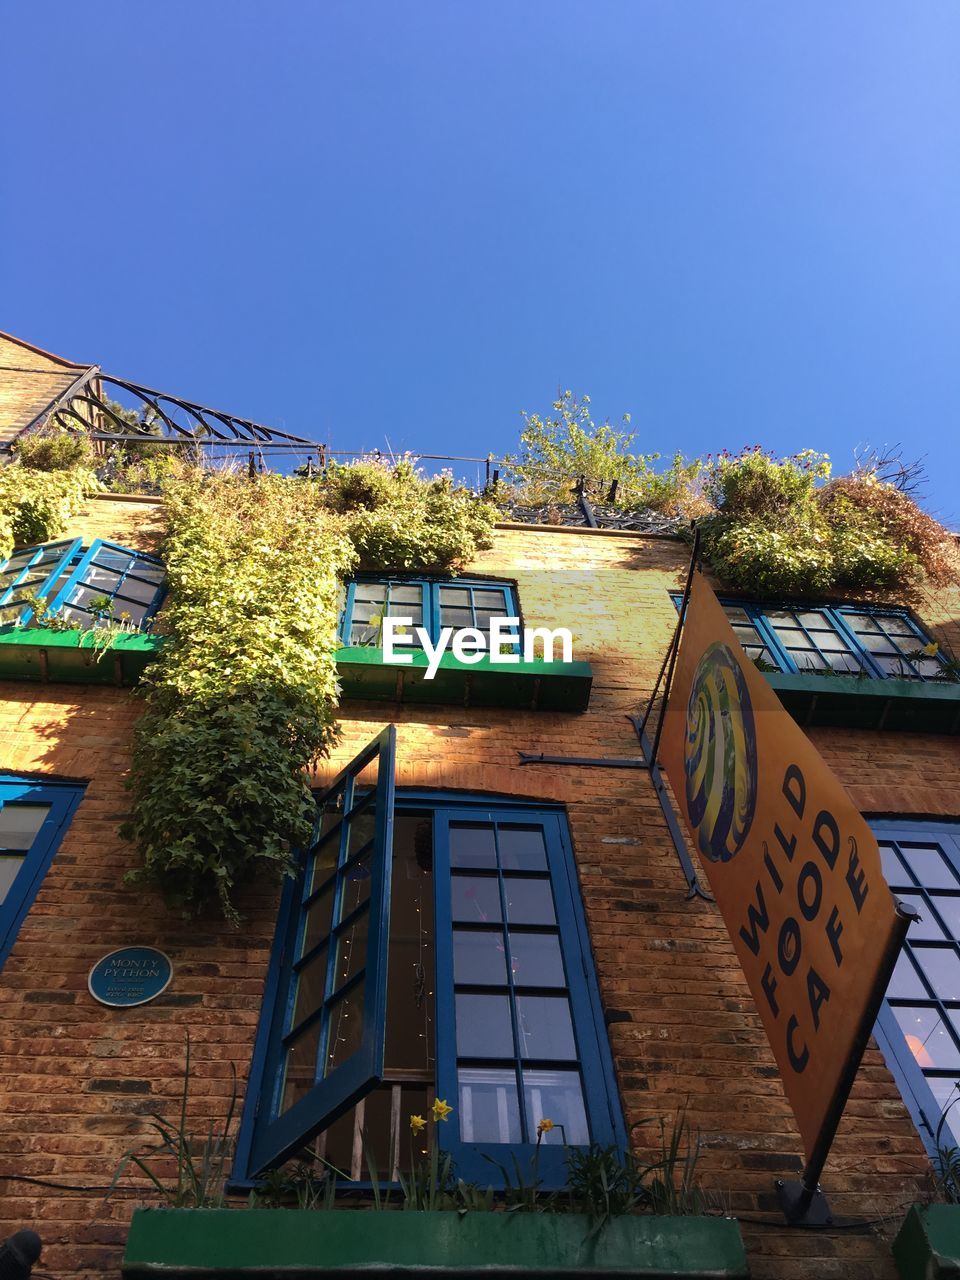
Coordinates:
<point>78,1080</point>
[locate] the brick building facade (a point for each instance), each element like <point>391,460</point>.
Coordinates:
<point>79,1080</point>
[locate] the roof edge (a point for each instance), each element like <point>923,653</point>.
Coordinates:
<point>50,355</point>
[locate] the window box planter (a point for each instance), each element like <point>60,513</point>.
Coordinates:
<point>927,1246</point>
<point>34,653</point>
<point>532,686</point>
<point>289,1243</point>
<point>904,705</point>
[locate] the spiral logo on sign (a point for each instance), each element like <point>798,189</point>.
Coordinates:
<point>720,755</point>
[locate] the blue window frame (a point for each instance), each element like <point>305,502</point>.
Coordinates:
<point>33,818</point>
<point>919,1025</point>
<point>430,603</point>
<point>846,639</point>
<point>82,585</point>
<point>471,906</point>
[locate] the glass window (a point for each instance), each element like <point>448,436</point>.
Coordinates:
<point>842,640</point>
<point>85,586</point>
<point>919,1027</point>
<point>33,819</point>
<point>491,1004</point>
<point>429,603</point>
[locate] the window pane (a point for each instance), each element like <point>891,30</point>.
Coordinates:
<point>905,983</point>
<point>356,885</point>
<point>475,898</point>
<point>926,928</point>
<point>944,1089</point>
<point>133,588</point>
<point>20,823</point>
<point>369,593</point>
<point>545,1027</point>
<point>941,966</point>
<point>346,1027</point>
<point>351,950</point>
<point>472,845</point>
<point>456,617</point>
<point>311,983</point>
<point>457,597</point>
<point>489,1105</point>
<point>484,1028</point>
<point>536,959</point>
<point>412,595</point>
<point>893,869</point>
<point>522,849</point>
<point>9,867</point>
<point>949,908</point>
<point>495,601</point>
<point>529,901</point>
<point>929,866</point>
<point>478,957</point>
<point>928,1039</point>
<point>318,918</point>
<point>556,1096</point>
<point>300,1067</point>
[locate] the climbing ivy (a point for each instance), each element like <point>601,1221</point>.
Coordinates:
<point>244,695</point>
<point>36,506</point>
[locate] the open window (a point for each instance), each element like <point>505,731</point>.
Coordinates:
<point>429,603</point>
<point>80,585</point>
<point>452,962</point>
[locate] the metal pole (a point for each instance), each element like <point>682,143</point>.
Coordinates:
<point>641,723</point>
<point>676,648</point>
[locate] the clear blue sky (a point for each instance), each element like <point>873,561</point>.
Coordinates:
<point>739,221</point>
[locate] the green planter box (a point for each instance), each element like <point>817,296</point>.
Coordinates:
<point>896,705</point>
<point>290,1244</point>
<point>532,686</point>
<point>927,1246</point>
<point>70,656</point>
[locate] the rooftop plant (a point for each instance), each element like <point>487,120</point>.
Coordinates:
<point>36,506</point>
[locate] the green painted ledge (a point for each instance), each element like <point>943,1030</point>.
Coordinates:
<point>291,1244</point>
<point>927,1246</point>
<point>532,686</point>
<point>897,705</point>
<point>69,656</point>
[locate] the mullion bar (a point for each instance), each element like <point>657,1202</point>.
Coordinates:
<point>511,991</point>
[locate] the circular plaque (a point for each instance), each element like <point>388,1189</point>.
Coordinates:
<point>130,976</point>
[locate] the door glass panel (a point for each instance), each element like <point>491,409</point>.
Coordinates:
<point>300,1067</point>
<point>346,1027</point>
<point>536,959</point>
<point>311,985</point>
<point>20,823</point>
<point>9,867</point>
<point>489,1105</point>
<point>351,950</point>
<point>522,849</point>
<point>472,845</point>
<point>478,957</point>
<point>928,1038</point>
<point>475,899</point>
<point>545,1027</point>
<point>484,1029</point>
<point>529,901</point>
<point>556,1096</point>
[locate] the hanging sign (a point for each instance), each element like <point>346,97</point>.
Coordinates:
<point>131,976</point>
<point>793,866</point>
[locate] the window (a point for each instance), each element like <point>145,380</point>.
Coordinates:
<point>835,639</point>
<point>919,1026</point>
<point>431,603</point>
<point>33,818</point>
<point>432,947</point>
<point>81,584</point>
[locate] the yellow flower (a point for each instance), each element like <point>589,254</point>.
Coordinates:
<point>375,619</point>
<point>441,1110</point>
<point>417,1123</point>
<point>544,1127</point>
<point>932,649</point>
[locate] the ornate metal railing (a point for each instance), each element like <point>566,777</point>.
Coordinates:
<point>135,413</point>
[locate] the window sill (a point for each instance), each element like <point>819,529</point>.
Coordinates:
<point>534,686</point>
<point>894,705</point>
<point>291,1243</point>
<point>70,657</point>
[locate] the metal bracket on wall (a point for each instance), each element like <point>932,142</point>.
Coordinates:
<point>694,889</point>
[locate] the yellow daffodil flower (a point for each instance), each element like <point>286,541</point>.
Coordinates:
<point>441,1110</point>
<point>932,649</point>
<point>417,1123</point>
<point>544,1127</point>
